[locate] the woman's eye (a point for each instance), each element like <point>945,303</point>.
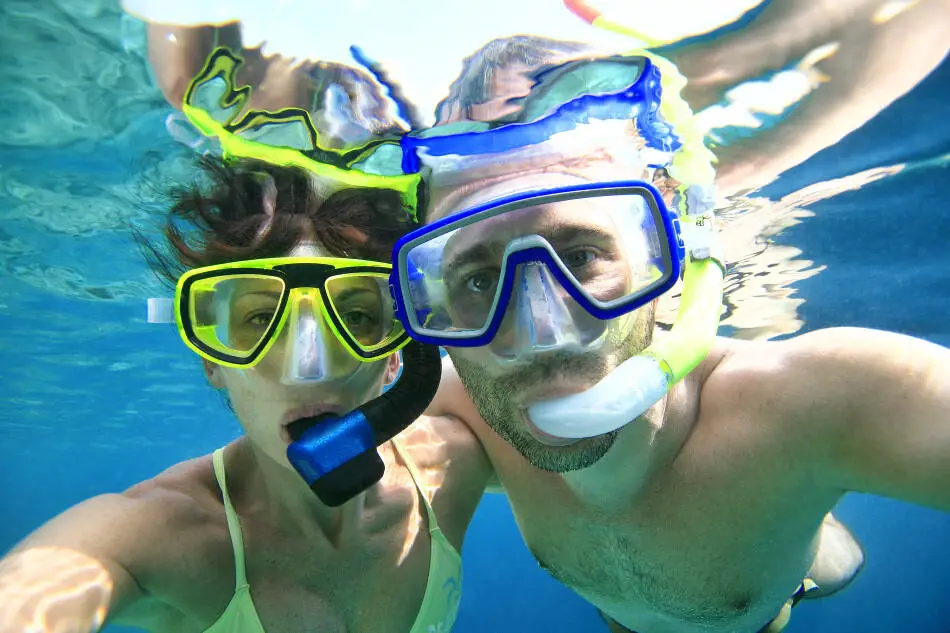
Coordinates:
<point>261,318</point>
<point>357,319</point>
<point>481,282</point>
<point>579,257</point>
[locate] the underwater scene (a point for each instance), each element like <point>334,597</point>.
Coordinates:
<point>547,315</point>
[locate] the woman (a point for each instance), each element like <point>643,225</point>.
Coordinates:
<point>236,541</point>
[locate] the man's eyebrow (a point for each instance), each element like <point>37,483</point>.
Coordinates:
<point>570,232</point>
<point>479,252</point>
<point>560,234</point>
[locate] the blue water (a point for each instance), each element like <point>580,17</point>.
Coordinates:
<point>95,399</point>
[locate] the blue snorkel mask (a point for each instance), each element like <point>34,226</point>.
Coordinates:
<point>541,252</point>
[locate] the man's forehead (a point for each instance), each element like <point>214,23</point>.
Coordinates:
<point>516,184</point>
<point>450,200</point>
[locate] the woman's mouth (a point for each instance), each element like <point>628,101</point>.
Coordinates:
<point>299,421</point>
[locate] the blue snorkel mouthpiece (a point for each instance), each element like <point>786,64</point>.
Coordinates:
<point>337,456</point>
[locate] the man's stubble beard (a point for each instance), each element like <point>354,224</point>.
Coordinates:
<point>493,396</point>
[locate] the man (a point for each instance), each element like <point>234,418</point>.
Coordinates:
<point>710,511</point>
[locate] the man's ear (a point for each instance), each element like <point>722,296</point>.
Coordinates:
<point>213,373</point>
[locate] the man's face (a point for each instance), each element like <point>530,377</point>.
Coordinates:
<point>587,239</point>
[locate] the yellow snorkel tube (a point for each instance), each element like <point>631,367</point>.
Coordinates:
<point>697,321</point>
<point>642,381</point>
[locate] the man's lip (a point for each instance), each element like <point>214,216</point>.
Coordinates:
<point>545,438</point>
<point>551,390</point>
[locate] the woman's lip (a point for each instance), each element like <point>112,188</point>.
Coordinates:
<point>309,411</point>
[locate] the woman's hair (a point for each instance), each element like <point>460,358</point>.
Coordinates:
<point>250,209</point>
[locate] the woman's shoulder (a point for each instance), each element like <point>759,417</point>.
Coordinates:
<point>183,520</point>
<point>184,514</point>
<point>184,491</point>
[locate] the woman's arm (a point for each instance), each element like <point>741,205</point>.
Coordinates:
<point>81,569</point>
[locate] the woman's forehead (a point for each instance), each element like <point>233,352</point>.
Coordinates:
<point>309,248</point>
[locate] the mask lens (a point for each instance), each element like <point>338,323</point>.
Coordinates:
<point>611,247</point>
<point>362,306</point>
<point>232,314</point>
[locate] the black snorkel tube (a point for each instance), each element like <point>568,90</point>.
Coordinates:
<point>337,456</point>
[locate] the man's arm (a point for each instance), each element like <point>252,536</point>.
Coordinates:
<point>452,401</point>
<point>884,402</point>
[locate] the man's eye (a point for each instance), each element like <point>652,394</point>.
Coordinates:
<point>579,257</point>
<point>481,282</point>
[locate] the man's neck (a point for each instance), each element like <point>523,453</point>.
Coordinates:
<point>642,448</point>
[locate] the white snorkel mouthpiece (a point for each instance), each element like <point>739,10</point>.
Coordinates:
<point>621,397</point>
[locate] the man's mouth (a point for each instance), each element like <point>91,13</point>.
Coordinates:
<point>549,390</point>
<point>542,437</point>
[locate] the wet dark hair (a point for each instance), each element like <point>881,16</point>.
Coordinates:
<point>223,218</point>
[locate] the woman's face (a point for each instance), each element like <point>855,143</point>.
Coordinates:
<point>265,401</point>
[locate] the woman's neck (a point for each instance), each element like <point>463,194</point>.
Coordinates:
<point>265,487</point>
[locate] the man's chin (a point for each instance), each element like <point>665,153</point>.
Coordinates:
<point>558,455</point>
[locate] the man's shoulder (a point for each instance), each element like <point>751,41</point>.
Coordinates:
<point>451,429</point>
<point>442,430</point>
<point>796,357</point>
<point>796,379</point>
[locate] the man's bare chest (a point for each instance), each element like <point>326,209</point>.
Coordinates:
<point>682,558</point>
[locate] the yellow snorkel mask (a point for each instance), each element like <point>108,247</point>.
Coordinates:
<point>288,137</point>
<point>329,318</point>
